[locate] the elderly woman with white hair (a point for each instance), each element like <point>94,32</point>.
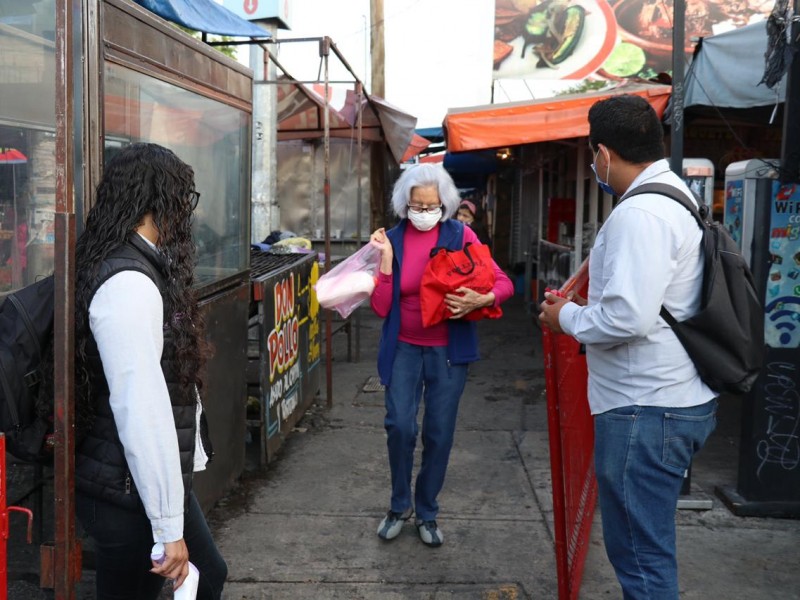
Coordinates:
<point>416,362</point>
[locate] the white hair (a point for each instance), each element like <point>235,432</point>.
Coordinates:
<point>426,175</point>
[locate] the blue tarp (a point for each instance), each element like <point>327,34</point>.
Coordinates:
<point>470,169</point>
<point>204,15</point>
<point>727,69</point>
<point>434,134</point>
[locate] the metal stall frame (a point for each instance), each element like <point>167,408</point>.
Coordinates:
<point>326,46</point>
<point>60,561</point>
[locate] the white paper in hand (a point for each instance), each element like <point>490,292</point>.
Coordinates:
<point>188,589</point>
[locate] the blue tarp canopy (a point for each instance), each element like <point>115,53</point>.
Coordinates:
<point>434,134</point>
<point>727,68</point>
<point>204,15</point>
<point>470,169</point>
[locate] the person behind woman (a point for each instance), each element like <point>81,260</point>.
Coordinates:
<point>139,351</point>
<point>468,214</point>
<point>416,361</point>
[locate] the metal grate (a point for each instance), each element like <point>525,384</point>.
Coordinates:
<point>264,263</point>
<point>373,384</point>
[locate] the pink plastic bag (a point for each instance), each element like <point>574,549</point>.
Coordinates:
<point>347,285</point>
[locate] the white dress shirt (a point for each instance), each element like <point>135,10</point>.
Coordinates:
<point>646,254</point>
<point>126,320</point>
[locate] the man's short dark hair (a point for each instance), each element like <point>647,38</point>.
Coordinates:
<point>629,126</point>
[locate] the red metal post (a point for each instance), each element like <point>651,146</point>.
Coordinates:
<point>3,522</point>
<point>4,510</point>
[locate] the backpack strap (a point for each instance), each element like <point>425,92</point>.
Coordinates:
<point>670,191</point>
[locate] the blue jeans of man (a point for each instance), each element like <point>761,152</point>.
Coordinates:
<point>421,371</point>
<point>641,456</point>
<point>123,541</point>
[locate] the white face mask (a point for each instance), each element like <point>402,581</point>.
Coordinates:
<point>424,221</point>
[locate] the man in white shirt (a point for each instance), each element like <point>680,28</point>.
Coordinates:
<point>651,410</point>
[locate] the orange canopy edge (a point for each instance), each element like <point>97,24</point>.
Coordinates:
<point>549,119</point>
<point>417,145</point>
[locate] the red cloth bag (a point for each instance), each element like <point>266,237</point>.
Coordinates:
<point>448,270</point>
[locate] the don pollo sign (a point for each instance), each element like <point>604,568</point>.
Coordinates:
<point>284,340</point>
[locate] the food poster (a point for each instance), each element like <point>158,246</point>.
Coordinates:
<point>732,219</point>
<point>604,39</point>
<point>782,305</point>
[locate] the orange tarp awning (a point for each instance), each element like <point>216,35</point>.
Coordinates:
<point>562,117</point>
<point>417,145</point>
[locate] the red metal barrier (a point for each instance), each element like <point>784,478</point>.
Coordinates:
<point>4,510</point>
<point>571,449</point>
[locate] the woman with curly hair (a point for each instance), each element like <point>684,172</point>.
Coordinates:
<point>140,349</point>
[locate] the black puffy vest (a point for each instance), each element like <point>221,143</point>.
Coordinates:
<point>101,470</point>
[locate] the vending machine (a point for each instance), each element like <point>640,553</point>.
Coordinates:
<point>763,216</point>
<point>698,173</point>
<point>741,182</point>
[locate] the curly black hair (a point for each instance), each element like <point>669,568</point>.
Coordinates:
<point>139,179</point>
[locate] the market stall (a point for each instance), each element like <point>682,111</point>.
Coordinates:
<point>554,209</point>
<point>283,375</point>
<point>543,158</point>
<point>80,81</point>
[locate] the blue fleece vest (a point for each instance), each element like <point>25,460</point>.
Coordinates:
<point>462,336</point>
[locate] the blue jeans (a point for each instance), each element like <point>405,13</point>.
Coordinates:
<point>123,540</point>
<point>641,455</point>
<point>419,370</point>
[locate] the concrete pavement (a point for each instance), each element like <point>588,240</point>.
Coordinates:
<point>305,527</point>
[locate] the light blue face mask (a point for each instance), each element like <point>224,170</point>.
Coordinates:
<point>603,184</point>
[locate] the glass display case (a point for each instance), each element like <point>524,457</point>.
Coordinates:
<point>27,141</point>
<point>210,136</point>
<point>135,78</point>
<point>206,129</point>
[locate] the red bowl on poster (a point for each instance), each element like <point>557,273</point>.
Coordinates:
<point>628,14</point>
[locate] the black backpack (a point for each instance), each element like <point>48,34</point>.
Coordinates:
<point>26,343</point>
<point>725,339</point>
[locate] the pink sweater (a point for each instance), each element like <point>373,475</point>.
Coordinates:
<point>417,246</point>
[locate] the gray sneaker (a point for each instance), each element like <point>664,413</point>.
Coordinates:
<point>430,533</point>
<point>393,522</point>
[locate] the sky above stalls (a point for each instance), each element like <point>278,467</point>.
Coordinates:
<point>438,53</point>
